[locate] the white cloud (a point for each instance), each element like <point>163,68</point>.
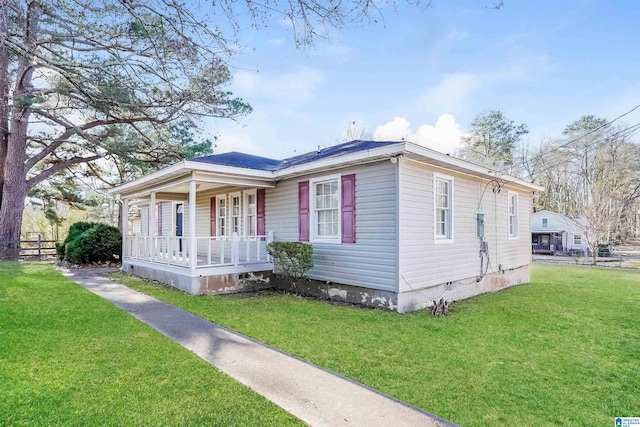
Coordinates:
<point>444,136</point>
<point>397,130</point>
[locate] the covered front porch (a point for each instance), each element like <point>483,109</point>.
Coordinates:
<point>200,231</point>
<point>547,243</point>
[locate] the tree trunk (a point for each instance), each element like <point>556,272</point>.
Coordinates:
<point>4,97</point>
<point>14,189</point>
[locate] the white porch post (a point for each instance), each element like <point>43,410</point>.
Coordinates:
<point>193,256</point>
<point>125,227</point>
<point>153,227</point>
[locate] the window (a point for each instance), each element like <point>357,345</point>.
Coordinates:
<point>222,215</point>
<point>250,212</point>
<point>544,222</point>
<point>236,213</point>
<point>513,214</point>
<point>443,203</point>
<point>240,212</point>
<point>577,239</point>
<point>325,217</point>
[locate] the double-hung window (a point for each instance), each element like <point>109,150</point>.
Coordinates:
<point>577,239</point>
<point>236,212</point>
<point>325,218</point>
<point>250,215</point>
<point>222,215</point>
<point>443,203</point>
<point>513,214</point>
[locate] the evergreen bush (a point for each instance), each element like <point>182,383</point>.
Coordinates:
<point>92,242</point>
<point>293,258</point>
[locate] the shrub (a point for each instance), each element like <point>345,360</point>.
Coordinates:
<point>293,258</point>
<point>97,243</point>
<point>75,230</point>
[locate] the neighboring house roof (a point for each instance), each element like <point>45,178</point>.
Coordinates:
<point>265,172</point>
<point>242,160</point>
<point>569,223</point>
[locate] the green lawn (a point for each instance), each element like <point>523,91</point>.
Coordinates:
<point>563,350</point>
<point>69,358</point>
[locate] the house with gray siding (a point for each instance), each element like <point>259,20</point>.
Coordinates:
<point>392,224</point>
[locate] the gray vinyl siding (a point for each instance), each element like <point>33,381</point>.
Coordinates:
<point>423,262</point>
<point>144,221</point>
<point>167,220</point>
<point>371,261</point>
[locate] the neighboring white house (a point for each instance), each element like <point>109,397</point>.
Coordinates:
<point>552,233</point>
<point>392,224</point>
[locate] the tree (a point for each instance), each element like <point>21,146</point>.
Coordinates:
<point>77,76</point>
<point>85,84</point>
<point>354,131</point>
<point>491,139</point>
<point>592,173</point>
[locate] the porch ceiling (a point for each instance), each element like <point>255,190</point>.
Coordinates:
<point>172,185</point>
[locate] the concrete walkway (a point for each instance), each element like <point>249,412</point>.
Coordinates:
<point>316,396</point>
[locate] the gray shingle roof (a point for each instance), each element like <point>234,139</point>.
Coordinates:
<point>249,161</point>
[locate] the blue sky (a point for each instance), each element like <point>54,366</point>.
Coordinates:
<point>425,73</point>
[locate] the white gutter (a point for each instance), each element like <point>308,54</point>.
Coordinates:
<point>387,151</point>
<point>186,167</point>
<point>329,162</point>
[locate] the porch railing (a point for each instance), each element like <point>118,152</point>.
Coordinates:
<point>213,251</point>
<point>545,247</point>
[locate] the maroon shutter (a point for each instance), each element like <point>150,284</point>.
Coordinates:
<point>348,208</point>
<point>303,211</point>
<point>212,216</point>
<point>160,220</point>
<point>260,212</point>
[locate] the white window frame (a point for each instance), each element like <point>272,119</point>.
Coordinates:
<point>248,221</point>
<point>232,228</point>
<point>513,234</point>
<point>545,222</point>
<point>174,224</point>
<point>579,242</point>
<point>448,237</point>
<point>313,216</point>
<point>225,217</point>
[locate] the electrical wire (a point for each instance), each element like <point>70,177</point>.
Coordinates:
<point>633,129</point>
<point>566,144</point>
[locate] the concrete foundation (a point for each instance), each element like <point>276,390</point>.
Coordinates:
<point>200,284</point>
<point>342,293</point>
<point>403,302</point>
<point>453,291</point>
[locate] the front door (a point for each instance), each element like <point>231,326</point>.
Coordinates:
<point>179,216</point>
